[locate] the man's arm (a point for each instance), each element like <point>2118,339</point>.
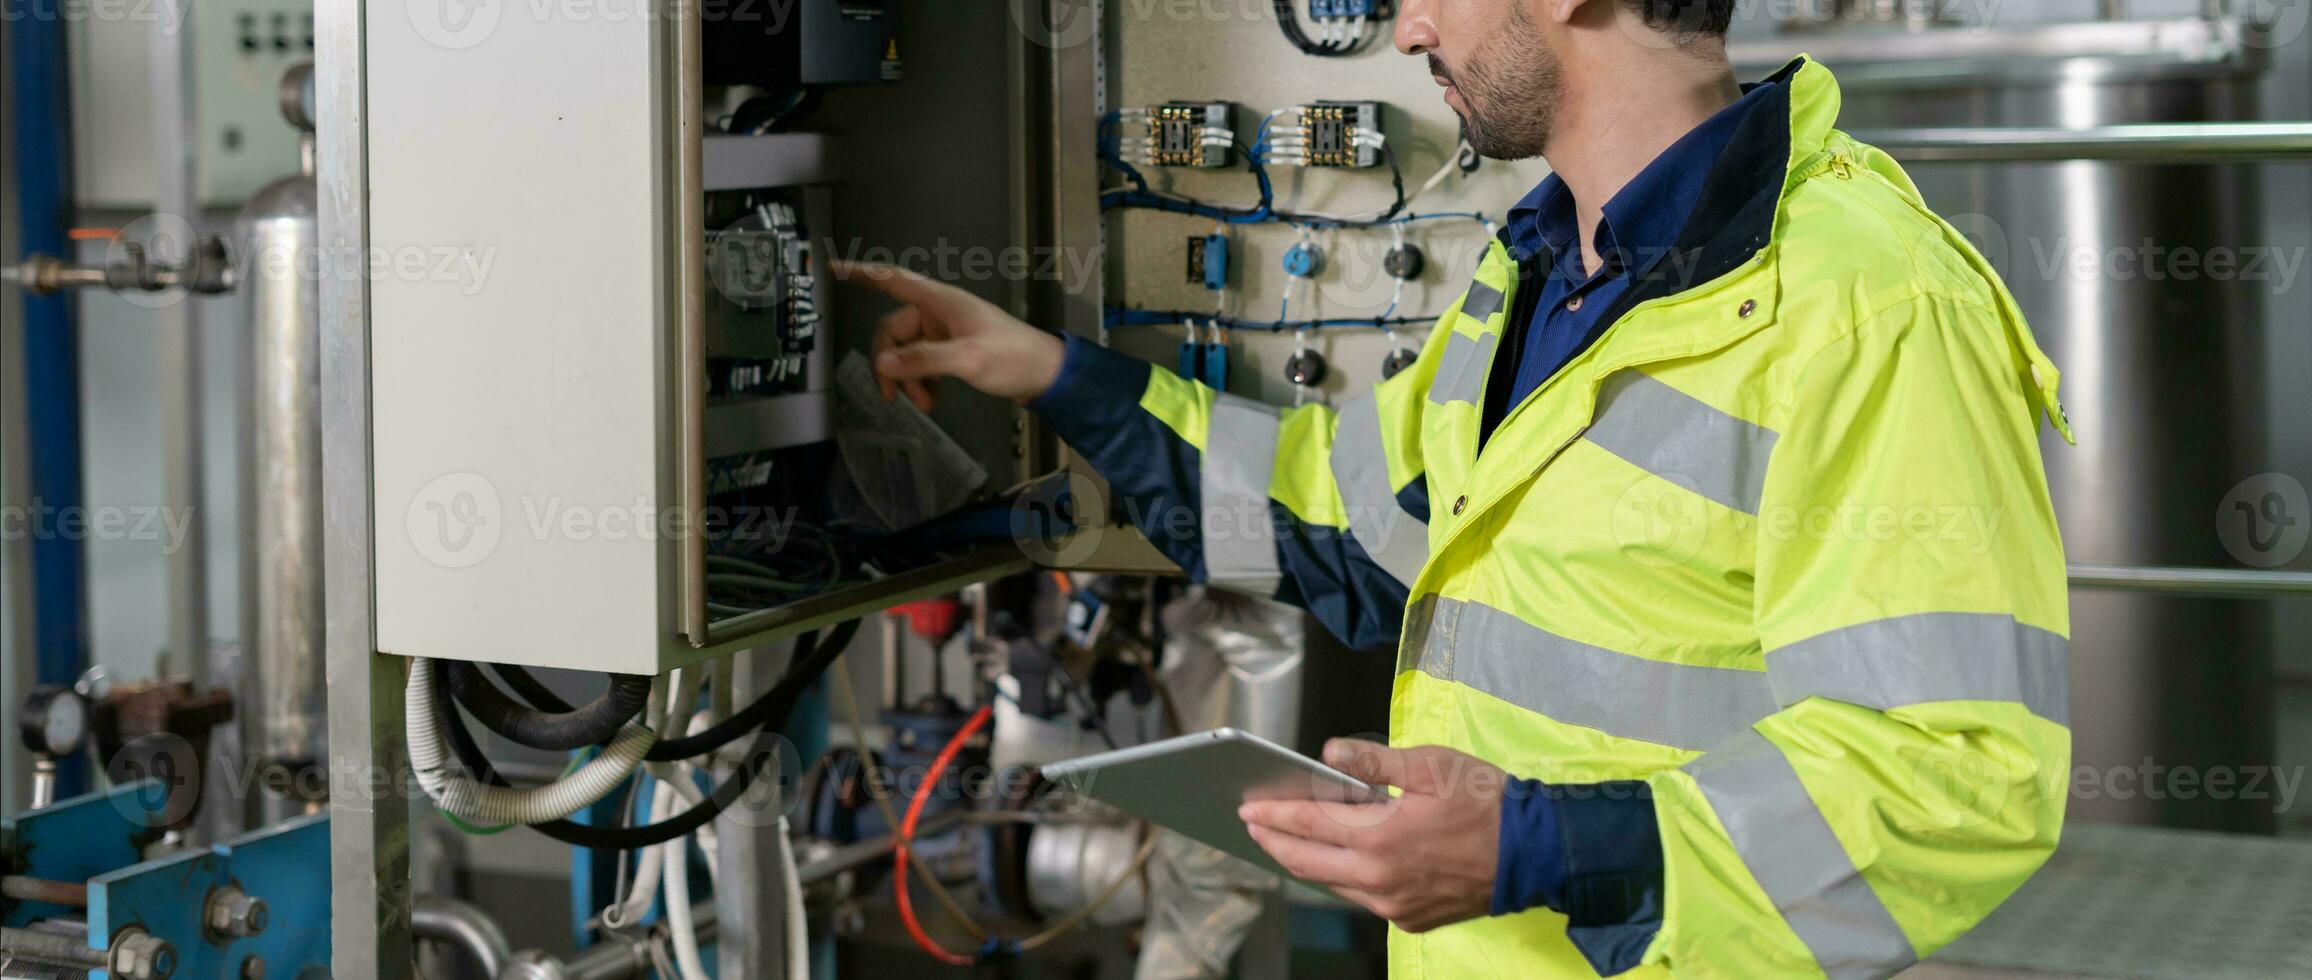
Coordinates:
<point>1910,599</point>
<point>1912,606</point>
<point>1327,510</point>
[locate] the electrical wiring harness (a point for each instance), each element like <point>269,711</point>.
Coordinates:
<point>456,792</point>
<point>475,790</point>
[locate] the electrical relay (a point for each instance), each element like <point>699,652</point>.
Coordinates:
<point>1325,134</point>
<point>1190,134</point>
<point>762,320</point>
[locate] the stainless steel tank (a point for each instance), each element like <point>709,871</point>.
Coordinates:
<point>2160,364</point>
<point>284,721</point>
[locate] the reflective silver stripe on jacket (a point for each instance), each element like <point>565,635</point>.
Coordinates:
<point>1681,439</point>
<point>1481,302</point>
<point>1944,656</point>
<point>1461,368</point>
<point>1789,848</point>
<point>1397,541</point>
<point>1620,694</point>
<point>1239,457</point>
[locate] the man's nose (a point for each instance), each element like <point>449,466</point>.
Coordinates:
<point>1416,27</point>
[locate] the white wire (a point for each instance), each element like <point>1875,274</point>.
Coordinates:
<point>647,870</point>
<point>798,931</point>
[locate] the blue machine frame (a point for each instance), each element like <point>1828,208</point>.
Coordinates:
<point>100,837</point>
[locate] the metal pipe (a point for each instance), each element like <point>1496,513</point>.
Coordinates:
<point>624,959</point>
<point>178,348</point>
<point>282,610</point>
<point>441,919</point>
<point>618,958</point>
<point>63,950</point>
<point>39,64</point>
<point>2242,142</point>
<point>2236,583</point>
<point>22,888</point>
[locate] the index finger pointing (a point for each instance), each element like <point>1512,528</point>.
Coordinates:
<point>901,284</point>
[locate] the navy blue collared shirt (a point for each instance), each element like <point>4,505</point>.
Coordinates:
<point>1640,225</point>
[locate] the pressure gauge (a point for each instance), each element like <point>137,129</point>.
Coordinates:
<point>54,721</point>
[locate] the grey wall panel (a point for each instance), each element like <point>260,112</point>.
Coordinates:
<point>1232,50</point>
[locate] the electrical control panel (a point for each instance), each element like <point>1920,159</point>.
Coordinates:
<point>242,49</point>
<point>239,51</point>
<point>615,423</point>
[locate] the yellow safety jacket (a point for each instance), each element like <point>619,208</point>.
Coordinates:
<point>1777,548</point>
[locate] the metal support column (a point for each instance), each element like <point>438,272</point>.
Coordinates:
<point>369,764</point>
<point>178,348</point>
<point>41,119</point>
<point>752,903</point>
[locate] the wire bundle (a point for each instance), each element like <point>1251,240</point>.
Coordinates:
<point>473,789</point>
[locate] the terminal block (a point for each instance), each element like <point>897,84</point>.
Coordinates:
<point>1189,134</point>
<point>1325,134</point>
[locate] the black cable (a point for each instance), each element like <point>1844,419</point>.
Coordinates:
<point>812,657</point>
<point>809,650</point>
<point>729,730</point>
<point>554,731</point>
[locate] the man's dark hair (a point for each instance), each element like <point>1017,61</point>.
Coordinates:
<point>1710,17</point>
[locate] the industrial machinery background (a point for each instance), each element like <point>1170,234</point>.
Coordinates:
<point>2152,364</point>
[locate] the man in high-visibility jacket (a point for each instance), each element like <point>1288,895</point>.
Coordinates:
<point>1711,523</point>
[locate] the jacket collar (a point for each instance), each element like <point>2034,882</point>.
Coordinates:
<point>1721,249</point>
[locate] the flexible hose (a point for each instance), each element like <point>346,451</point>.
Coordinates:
<point>939,765</point>
<point>455,792</point>
<point>529,688</point>
<point>553,731</point>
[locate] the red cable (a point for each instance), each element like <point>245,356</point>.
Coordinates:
<point>907,835</point>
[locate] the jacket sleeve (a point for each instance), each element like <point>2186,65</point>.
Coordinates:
<point>1321,508</point>
<point>1910,599</point>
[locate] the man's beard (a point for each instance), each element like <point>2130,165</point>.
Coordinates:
<point>1509,92</point>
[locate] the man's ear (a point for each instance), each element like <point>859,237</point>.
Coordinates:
<point>1560,11</point>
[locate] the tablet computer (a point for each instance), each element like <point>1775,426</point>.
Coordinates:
<point>1194,783</point>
